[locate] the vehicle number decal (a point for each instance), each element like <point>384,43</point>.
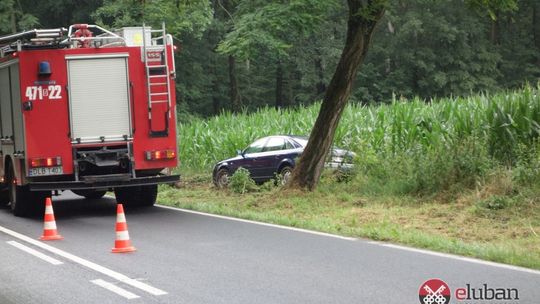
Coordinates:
<point>51,92</point>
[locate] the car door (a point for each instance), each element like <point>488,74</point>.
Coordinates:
<point>273,152</point>
<point>250,156</point>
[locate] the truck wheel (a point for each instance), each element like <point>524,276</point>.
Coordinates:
<point>90,194</point>
<point>4,197</point>
<point>23,201</point>
<point>148,195</point>
<point>137,196</point>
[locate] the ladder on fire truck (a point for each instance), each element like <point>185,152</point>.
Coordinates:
<point>42,38</point>
<point>156,63</point>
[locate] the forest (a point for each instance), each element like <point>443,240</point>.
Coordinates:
<point>238,55</point>
<point>444,111</point>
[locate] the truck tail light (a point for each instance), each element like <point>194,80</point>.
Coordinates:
<point>45,162</point>
<point>160,155</point>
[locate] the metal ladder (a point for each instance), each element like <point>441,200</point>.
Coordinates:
<point>45,37</point>
<point>157,76</point>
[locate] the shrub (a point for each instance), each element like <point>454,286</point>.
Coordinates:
<point>241,182</point>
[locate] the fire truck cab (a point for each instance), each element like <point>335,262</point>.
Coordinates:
<point>88,110</point>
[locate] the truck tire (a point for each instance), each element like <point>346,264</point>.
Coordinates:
<point>90,194</point>
<point>143,196</point>
<point>4,197</point>
<point>23,201</point>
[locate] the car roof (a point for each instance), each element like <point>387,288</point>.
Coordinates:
<point>286,136</point>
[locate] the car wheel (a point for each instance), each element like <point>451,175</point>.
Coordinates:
<point>221,180</point>
<point>285,175</point>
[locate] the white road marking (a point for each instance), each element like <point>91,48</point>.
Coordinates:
<point>35,253</point>
<point>421,251</point>
<point>260,223</point>
<point>119,291</point>
<point>101,269</point>
<point>459,258</point>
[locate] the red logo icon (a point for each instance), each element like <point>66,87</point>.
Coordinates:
<point>434,291</point>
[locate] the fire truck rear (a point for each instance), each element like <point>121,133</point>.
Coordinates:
<point>87,110</point>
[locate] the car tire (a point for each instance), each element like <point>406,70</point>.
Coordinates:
<point>139,196</point>
<point>90,194</point>
<point>285,175</point>
<point>221,179</point>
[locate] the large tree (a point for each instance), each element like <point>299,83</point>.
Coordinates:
<point>362,20</point>
<point>13,18</point>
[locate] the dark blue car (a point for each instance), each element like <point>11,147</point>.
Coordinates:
<point>271,156</point>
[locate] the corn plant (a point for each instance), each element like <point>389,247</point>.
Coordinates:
<point>499,122</point>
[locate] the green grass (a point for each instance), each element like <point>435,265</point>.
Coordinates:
<point>455,175</point>
<point>490,222</point>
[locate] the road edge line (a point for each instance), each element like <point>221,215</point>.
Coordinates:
<point>259,223</point>
<point>377,243</point>
<point>458,257</point>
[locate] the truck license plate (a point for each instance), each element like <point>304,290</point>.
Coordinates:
<point>45,171</point>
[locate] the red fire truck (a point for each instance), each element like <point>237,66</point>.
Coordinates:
<point>88,110</point>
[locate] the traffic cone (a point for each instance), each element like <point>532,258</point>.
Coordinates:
<point>49,224</point>
<point>122,242</point>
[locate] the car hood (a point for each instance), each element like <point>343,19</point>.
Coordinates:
<point>237,157</point>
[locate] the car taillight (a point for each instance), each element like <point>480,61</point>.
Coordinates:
<point>45,162</point>
<point>160,154</point>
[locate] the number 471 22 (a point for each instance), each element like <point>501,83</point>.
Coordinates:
<point>39,92</point>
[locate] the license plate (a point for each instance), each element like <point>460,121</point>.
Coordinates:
<point>45,171</point>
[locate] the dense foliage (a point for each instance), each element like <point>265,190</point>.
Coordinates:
<point>431,145</point>
<point>247,54</point>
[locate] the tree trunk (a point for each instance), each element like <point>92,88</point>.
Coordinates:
<point>289,84</point>
<point>494,31</point>
<point>215,93</point>
<point>13,21</point>
<point>320,87</point>
<point>363,17</point>
<point>236,100</point>
<point>279,85</point>
<point>536,29</point>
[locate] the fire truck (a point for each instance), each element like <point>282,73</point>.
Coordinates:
<point>88,110</point>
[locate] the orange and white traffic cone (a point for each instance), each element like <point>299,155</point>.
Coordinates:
<point>49,224</point>
<point>122,242</point>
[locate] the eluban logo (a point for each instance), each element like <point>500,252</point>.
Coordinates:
<point>434,291</point>
<point>486,293</point>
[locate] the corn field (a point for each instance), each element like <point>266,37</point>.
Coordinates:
<point>500,122</point>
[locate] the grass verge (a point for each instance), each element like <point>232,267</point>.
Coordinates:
<point>488,222</point>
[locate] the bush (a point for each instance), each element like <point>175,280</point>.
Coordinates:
<point>241,182</point>
<point>527,168</point>
<point>495,202</point>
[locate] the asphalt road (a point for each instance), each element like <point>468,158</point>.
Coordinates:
<point>184,257</point>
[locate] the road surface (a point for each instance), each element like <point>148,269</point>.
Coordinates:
<point>186,257</point>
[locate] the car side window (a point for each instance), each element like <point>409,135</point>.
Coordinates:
<point>256,146</point>
<point>274,144</point>
<point>288,145</point>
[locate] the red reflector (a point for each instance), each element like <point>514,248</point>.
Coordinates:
<point>160,155</point>
<point>45,162</point>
